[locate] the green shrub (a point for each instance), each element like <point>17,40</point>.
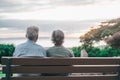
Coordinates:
<point>76,51</point>
<point>6,50</point>
<point>93,52</point>
<point>97,52</point>
<point>109,52</point>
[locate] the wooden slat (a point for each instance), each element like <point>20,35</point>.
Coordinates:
<point>97,77</point>
<point>60,65</point>
<point>63,69</point>
<point>63,61</point>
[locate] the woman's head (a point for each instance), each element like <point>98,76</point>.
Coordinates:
<point>58,37</point>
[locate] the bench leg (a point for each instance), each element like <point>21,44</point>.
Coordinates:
<point>8,69</point>
<point>119,73</point>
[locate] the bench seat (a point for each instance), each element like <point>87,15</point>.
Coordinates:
<point>108,67</point>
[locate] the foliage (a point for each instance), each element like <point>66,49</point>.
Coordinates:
<point>97,52</point>
<point>87,39</point>
<point>76,51</point>
<point>6,50</point>
<point>114,40</point>
<point>2,75</point>
<point>97,33</point>
<point>109,52</point>
<point>93,52</point>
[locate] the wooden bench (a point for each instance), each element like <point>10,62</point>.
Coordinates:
<point>108,65</point>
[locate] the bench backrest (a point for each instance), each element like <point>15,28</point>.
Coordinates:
<point>110,65</point>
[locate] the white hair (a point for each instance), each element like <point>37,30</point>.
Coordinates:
<point>32,32</point>
<point>57,37</point>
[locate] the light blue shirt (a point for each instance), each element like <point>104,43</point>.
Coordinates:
<point>29,48</point>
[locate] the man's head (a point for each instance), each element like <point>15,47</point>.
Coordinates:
<point>32,33</point>
<point>57,37</point>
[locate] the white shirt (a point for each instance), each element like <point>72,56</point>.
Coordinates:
<point>29,48</point>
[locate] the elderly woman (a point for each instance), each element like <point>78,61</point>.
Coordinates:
<point>58,50</point>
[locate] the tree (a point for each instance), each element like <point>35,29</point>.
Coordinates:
<point>114,40</point>
<point>101,31</point>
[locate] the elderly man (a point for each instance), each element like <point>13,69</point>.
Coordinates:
<point>30,48</point>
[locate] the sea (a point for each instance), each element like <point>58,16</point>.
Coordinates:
<point>45,42</point>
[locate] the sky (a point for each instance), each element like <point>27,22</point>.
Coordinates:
<point>74,17</point>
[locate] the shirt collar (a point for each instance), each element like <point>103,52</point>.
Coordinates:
<point>30,41</point>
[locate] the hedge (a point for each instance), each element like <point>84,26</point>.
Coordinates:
<point>6,50</point>
<point>97,52</point>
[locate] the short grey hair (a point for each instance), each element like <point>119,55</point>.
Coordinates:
<point>58,37</point>
<point>32,32</point>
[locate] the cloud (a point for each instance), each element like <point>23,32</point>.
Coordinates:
<point>32,12</point>
<point>84,2</point>
<point>31,5</point>
<point>47,26</point>
<point>73,2</point>
<point>22,5</point>
<point>58,9</point>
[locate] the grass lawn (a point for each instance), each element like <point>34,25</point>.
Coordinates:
<point>1,74</point>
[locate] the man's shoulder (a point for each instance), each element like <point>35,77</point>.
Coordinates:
<point>37,45</point>
<point>20,45</point>
<point>40,47</point>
